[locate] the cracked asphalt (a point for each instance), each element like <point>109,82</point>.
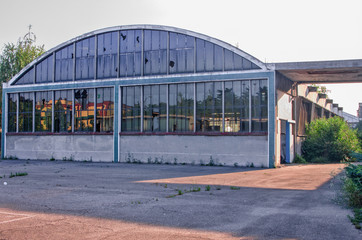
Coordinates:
<point>83,200</point>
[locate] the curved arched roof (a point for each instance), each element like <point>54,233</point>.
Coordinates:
<point>255,62</point>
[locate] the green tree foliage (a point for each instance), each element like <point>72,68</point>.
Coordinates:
<point>330,140</point>
<point>359,133</point>
<point>15,57</point>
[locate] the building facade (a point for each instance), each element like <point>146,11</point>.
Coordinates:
<point>154,93</point>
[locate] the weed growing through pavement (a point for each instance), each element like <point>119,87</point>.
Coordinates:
<point>234,188</point>
<point>18,174</point>
<point>207,188</point>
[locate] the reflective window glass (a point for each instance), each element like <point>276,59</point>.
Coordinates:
<point>84,110</point>
<point>237,106</point>
<point>209,107</point>
<point>64,64</point>
<point>229,60</point>
<point>154,108</point>
<point>63,111</point>
<point>26,78</point>
<point>130,53</point>
<point>259,106</point>
<point>107,55</point>
<point>181,53</point>
<point>44,70</point>
<point>43,111</point>
<point>105,109</point>
<point>131,109</point>
<point>181,107</point>
<point>155,52</point>
<point>12,108</point>
<point>84,62</point>
<point>200,55</point>
<point>218,58</point>
<point>25,112</point>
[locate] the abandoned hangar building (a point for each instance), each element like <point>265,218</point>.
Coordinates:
<point>151,92</point>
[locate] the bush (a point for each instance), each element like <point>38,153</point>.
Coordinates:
<point>299,159</point>
<point>319,160</point>
<point>329,140</point>
<point>353,192</point>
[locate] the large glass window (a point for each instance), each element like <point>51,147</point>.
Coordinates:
<point>63,108</point>
<point>25,112</point>
<point>105,109</point>
<point>44,70</point>
<point>131,109</point>
<point>84,62</point>
<point>259,106</point>
<point>26,78</point>
<point>84,110</point>
<point>154,108</point>
<point>43,111</point>
<point>155,52</point>
<point>181,53</point>
<point>237,106</point>
<point>64,64</point>
<point>130,53</point>
<point>107,55</point>
<point>181,107</point>
<point>209,107</point>
<point>12,108</point>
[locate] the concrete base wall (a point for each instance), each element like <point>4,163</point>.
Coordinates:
<point>77,147</point>
<point>225,150</point>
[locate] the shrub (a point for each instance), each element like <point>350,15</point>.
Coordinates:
<point>353,192</point>
<point>331,139</point>
<point>319,160</point>
<point>299,159</point>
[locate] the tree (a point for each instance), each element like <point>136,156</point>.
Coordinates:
<point>15,57</point>
<point>359,132</point>
<point>329,140</point>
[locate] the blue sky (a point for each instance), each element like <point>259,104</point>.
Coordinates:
<point>272,31</point>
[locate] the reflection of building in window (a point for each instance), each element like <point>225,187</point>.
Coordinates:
<point>131,109</point>
<point>105,110</point>
<point>43,111</point>
<point>63,108</point>
<point>84,110</point>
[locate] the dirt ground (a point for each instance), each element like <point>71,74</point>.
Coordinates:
<point>72,200</point>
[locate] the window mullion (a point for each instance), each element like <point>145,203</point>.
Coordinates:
<point>17,111</point>
<point>223,105</point>
<point>167,107</point>
<point>95,110</point>
<point>53,105</point>
<point>141,130</point>
<point>194,85</point>
<point>74,111</point>
<point>33,112</point>
<point>250,89</point>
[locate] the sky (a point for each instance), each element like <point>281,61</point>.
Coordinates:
<point>272,31</point>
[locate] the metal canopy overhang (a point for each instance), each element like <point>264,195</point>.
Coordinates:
<point>342,71</point>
